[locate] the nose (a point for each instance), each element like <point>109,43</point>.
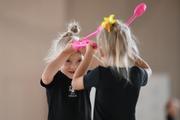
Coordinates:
<point>73,66</point>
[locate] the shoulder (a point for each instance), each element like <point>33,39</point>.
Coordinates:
<point>91,79</point>
<point>93,76</point>
<point>138,71</point>
<point>92,72</point>
<point>98,70</point>
<point>139,75</point>
<point>57,76</point>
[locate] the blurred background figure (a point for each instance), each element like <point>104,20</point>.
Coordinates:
<point>172,109</point>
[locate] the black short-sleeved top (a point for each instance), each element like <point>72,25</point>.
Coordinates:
<point>65,103</point>
<point>115,99</point>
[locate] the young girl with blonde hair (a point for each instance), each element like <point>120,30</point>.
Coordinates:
<point>64,102</point>
<point>119,80</point>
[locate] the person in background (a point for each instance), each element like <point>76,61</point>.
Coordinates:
<point>118,82</point>
<point>172,109</point>
<point>64,102</point>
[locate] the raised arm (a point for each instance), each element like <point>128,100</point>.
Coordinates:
<point>52,68</point>
<point>77,82</point>
<point>142,64</point>
<point>95,61</point>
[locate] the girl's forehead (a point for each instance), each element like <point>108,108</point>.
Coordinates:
<point>76,55</point>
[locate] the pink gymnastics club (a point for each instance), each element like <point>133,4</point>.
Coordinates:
<point>78,45</point>
<point>94,33</point>
<point>138,11</point>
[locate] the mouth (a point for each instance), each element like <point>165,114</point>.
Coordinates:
<point>71,72</point>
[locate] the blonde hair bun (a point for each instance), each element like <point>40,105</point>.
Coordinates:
<point>74,27</point>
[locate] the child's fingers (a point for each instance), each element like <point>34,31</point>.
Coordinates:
<point>80,40</point>
<point>71,41</point>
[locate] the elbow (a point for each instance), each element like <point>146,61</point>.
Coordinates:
<point>46,79</point>
<point>76,85</point>
<point>149,72</point>
<point>73,84</point>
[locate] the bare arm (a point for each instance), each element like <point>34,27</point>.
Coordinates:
<point>52,68</point>
<point>142,64</point>
<point>77,82</point>
<point>96,61</point>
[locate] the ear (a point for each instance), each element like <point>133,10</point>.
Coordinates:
<point>101,52</point>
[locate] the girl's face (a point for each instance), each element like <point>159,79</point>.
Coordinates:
<point>71,64</point>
